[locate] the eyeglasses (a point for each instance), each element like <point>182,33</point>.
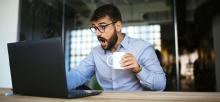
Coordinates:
<point>101,28</point>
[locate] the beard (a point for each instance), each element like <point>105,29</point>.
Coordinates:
<point>110,43</point>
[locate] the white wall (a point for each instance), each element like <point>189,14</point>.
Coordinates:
<point>216,36</point>
<point>8,33</point>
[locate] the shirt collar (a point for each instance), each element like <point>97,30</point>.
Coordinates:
<point>124,42</point>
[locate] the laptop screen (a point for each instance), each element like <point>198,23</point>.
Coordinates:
<point>38,67</point>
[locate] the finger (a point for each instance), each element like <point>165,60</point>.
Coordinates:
<point>129,66</point>
<point>128,63</point>
<point>123,60</point>
<point>127,55</point>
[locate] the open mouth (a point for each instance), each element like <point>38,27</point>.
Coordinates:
<point>102,41</point>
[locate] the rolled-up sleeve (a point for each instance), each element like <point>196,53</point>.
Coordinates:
<point>152,75</point>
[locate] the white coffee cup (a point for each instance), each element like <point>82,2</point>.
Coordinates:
<point>116,58</point>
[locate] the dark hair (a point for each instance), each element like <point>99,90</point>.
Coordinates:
<point>107,10</point>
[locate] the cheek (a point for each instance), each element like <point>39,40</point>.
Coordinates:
<point>107,35</point>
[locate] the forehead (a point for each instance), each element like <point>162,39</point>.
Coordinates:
<point>102,20</point>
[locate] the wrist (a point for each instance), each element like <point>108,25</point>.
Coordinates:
<point>138,69</point>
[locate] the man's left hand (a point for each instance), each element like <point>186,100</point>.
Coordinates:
<point>129,62</point>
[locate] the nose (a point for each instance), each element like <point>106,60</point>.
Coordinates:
<point>98,33</point>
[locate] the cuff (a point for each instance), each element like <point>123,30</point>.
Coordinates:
<point>142,74</point>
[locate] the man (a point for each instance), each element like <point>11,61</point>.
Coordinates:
<point>142,70</point>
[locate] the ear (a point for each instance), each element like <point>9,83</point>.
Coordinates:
<point>118,26</point>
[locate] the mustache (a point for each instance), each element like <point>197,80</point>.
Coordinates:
<point>101,38</point>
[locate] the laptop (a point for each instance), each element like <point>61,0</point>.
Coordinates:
<point>38,69</point>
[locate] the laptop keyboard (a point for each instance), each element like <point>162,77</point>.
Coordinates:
<point>83,93</point>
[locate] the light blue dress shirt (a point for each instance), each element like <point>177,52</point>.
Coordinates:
<point>151,77</point>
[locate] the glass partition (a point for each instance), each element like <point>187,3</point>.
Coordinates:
<point>40,19</point>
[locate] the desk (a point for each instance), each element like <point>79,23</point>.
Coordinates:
<point>145,96</point>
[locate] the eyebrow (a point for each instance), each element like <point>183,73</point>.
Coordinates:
<point>102,23</point>
<point>98,23</point>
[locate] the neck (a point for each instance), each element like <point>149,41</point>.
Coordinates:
<point>120,38</point>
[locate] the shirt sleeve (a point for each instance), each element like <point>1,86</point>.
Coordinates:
<point>152,75</point>
<point>83,72</point>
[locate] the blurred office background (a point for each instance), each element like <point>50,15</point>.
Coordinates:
<point>194,24</point>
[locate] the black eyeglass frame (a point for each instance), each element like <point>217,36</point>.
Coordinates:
<point>101,28</point>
